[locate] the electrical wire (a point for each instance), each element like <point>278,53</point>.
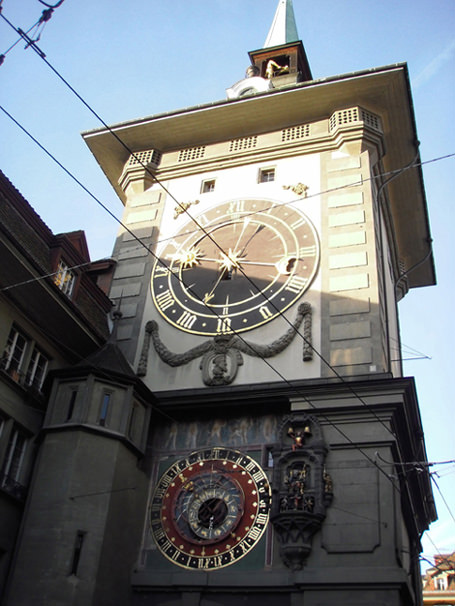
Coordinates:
<point>442,556</point>
<point>416,463</point>
<point>21,37</point>
<point>280,375</point>
<point>44,276</point>
<point>184,209</point>
<point>442,496</point>
<point>266,361</point>
<point>42,21</point>
<point>335,372</point>
<point>402,276</point>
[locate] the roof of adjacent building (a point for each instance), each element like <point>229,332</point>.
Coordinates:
<point>30,253</point>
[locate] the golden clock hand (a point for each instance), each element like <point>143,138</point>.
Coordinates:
<point>210,295</point>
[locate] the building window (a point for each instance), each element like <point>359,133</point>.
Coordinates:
<point>13,463</point>
<point>65,278</point>
<point>24,367</point>
<point>208,186</point>
<point>266,175</point>
<point>72,403</point>
<point>441,583</point>
<point>13,356</point>
<point>36,370</point>
<point>78,543</point>
<point>132,422</point>
<point>104,408</point>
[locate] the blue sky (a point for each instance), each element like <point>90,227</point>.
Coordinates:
<point>143,57</point>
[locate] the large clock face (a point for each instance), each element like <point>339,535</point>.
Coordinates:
<point>210,509</point>
<point>251,260</point>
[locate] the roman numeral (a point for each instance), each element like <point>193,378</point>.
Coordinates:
<point>257,477</point>
<point>262,519</point>
<point>296,284</point>
<point>167,546</point>
<point>236,207</point>
<point>161,270</point>
<point>265,312</point>
<point>255,533</point>
<point>186,320</point>
<point>307,251</point>
<point>165,300</point>
<point>251,466</point>
<point>223,325</point>
<point>159,534</point>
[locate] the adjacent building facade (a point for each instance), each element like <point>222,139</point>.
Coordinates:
<point>52,314</point>
<point>439,581</point>
<point>245,435</point>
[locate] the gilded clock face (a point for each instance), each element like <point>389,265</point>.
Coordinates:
<point>210,509</point>
<point>251,261</point>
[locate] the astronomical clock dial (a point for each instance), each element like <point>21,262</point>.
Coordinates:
<point>210,509</point>
<point>251,260</point>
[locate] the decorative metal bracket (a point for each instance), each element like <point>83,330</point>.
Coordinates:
<point>302,488</point>
<point>222,356</point>
<point>300,189</point>
<point>183,207</point>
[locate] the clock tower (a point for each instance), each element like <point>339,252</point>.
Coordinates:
<point>266,241</point>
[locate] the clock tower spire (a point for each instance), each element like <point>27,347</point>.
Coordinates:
<point>281,62</point>
<point>284,28</point>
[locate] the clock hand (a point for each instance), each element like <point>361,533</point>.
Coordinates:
<point>258,229</point>
<point>246,222</point>
<point>210,295</point>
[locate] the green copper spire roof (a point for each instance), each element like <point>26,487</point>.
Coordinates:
<point>283,28</point>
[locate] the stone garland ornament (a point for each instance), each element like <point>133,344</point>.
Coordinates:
<point>222,355</point>
<point>302,488</point>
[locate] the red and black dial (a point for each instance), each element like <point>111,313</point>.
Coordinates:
<point>210,509</point>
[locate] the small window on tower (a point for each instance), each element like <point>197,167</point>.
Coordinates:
<point>77,551</point>
<point>266,175</point>
<point>105,404</point>
<point>71,405</point>
<point>208,186</point>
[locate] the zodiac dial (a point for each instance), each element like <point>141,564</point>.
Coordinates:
<point>251,260</point>
<point>210,509</point>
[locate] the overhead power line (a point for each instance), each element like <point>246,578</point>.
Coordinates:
<point>149,249</point>
<point>184,209</point>
<point>267,362</point>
